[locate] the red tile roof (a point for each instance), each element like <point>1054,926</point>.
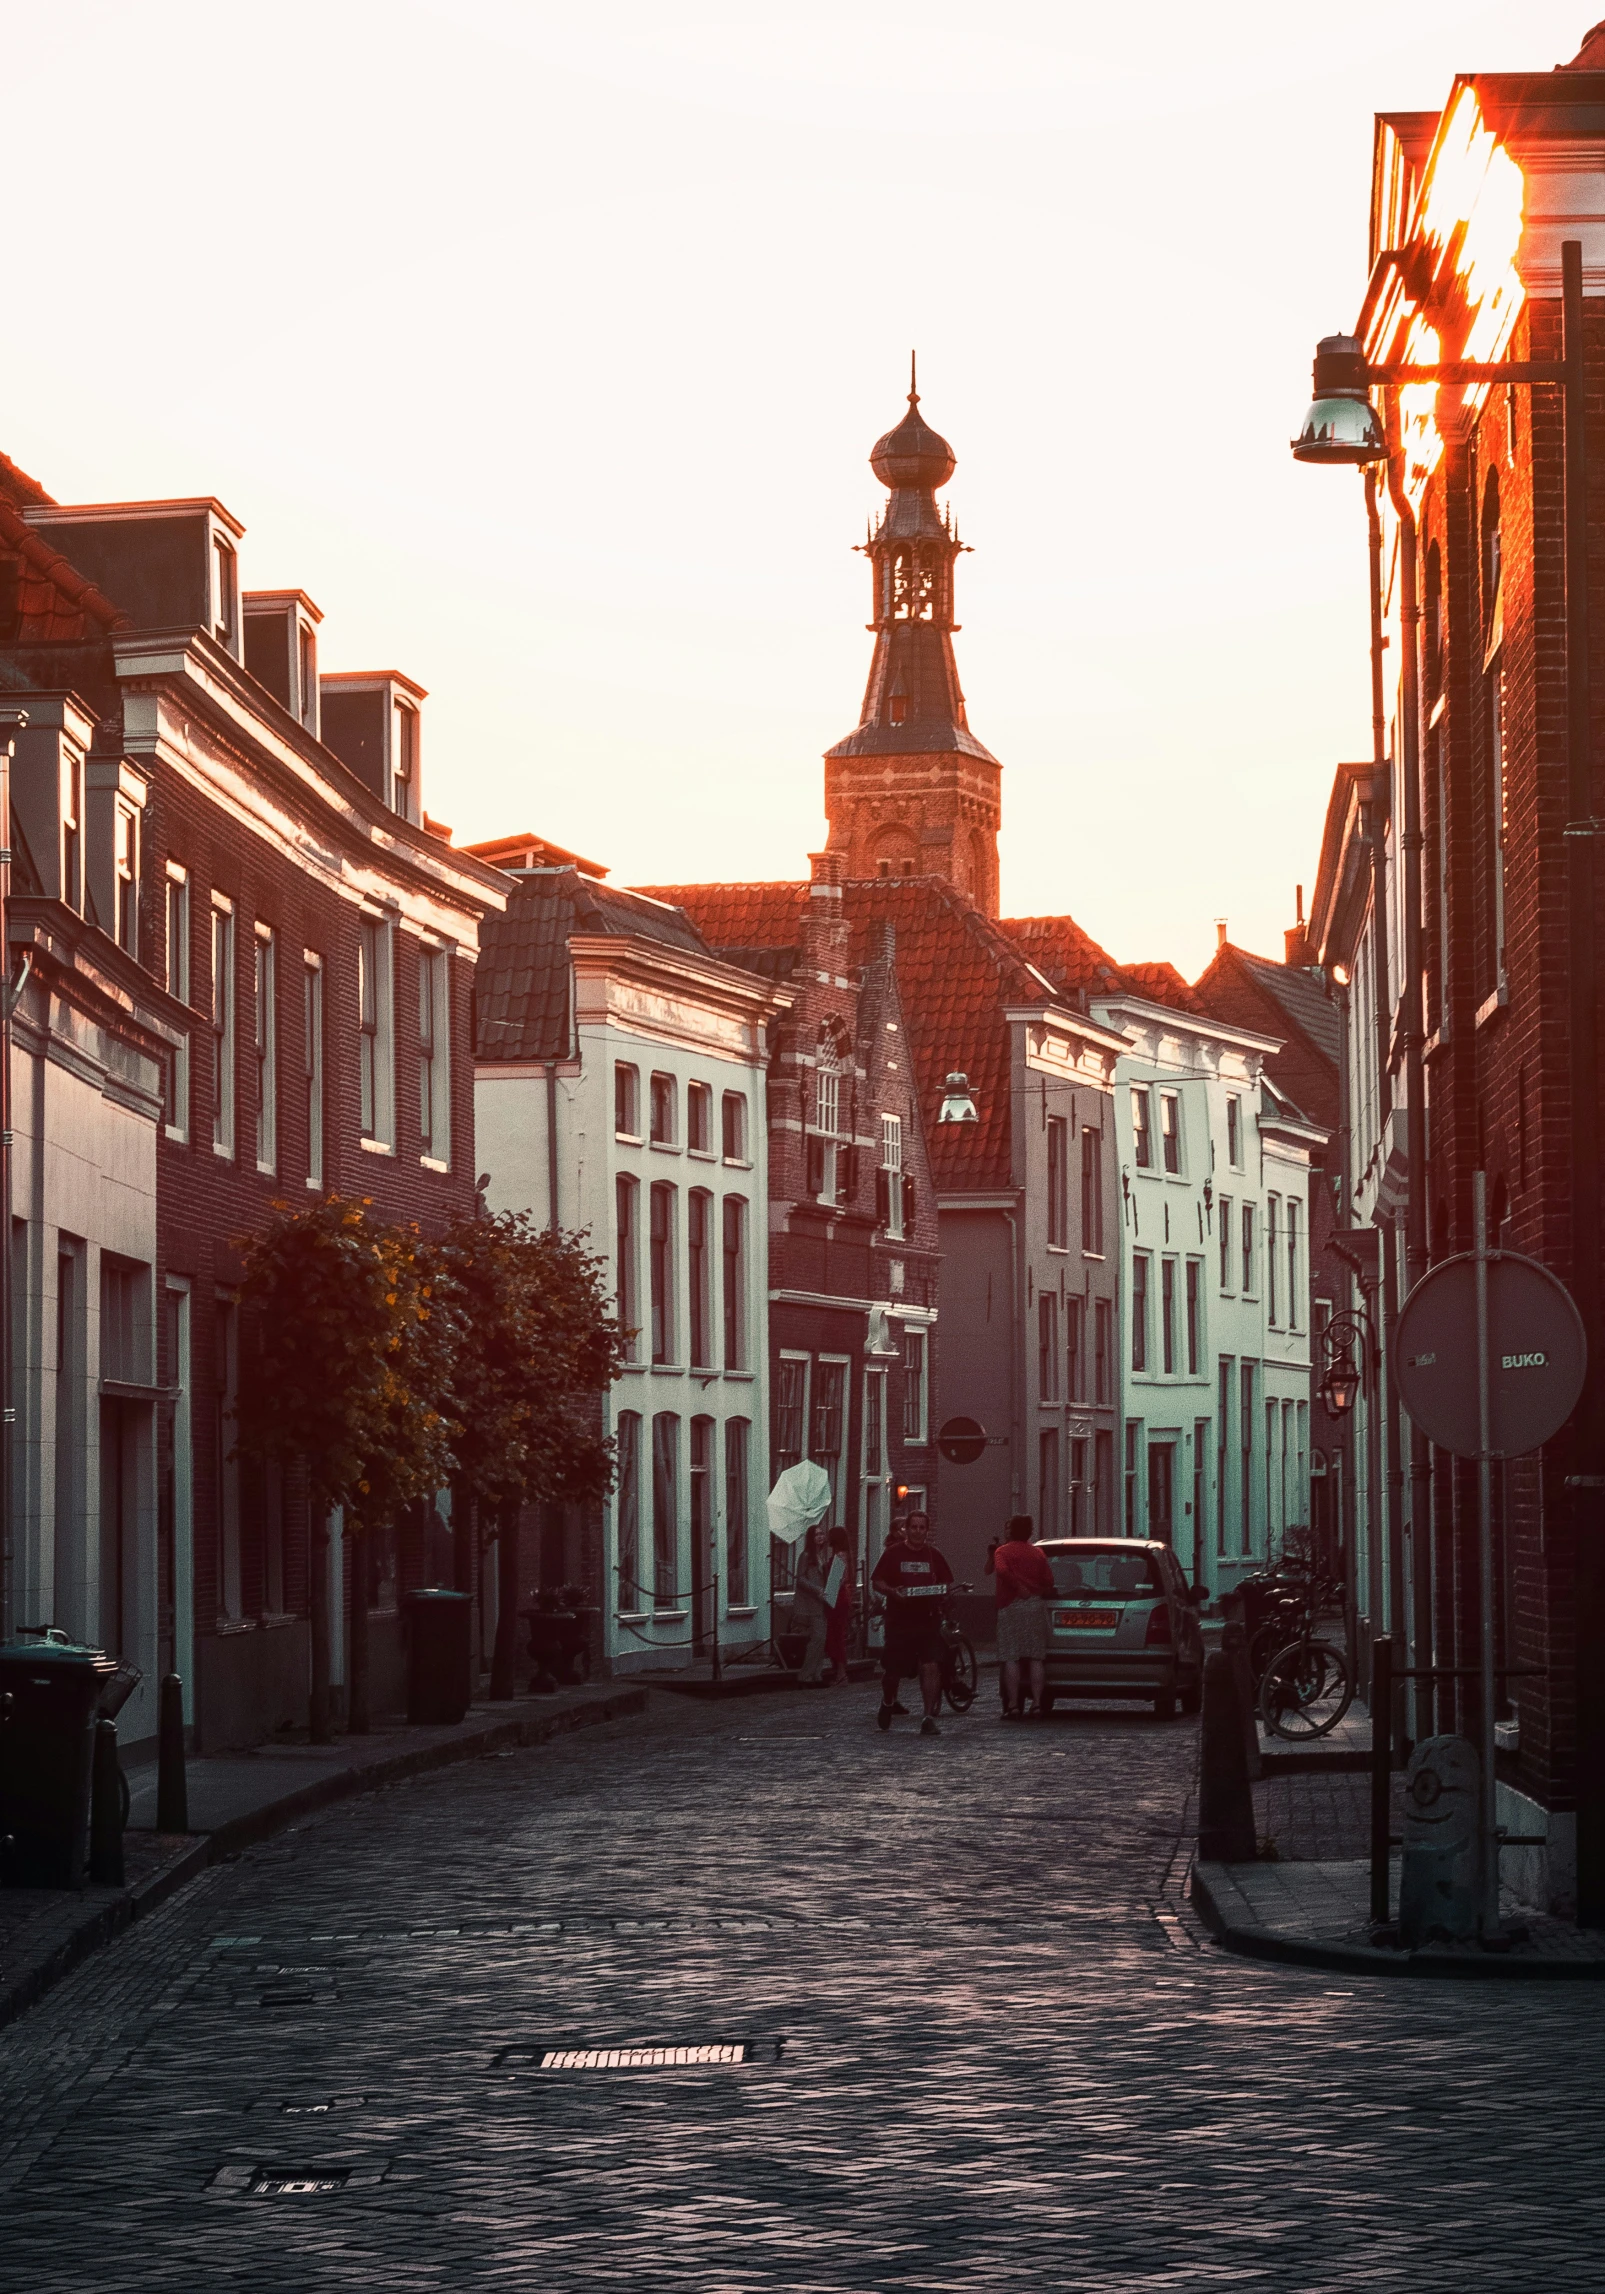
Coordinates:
<point>54,603</point>
<point>1163,984</point>
<point>957,972</point>
<point>1071,958</point>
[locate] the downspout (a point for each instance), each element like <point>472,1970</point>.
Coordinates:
<point>1412,1034</point>
<point>551,1146</point>
<point>1016,1361</point>
<point>8,1399</point>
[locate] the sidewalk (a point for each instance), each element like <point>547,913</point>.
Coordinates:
<point>236,1799</point>
<point>1318,1915</point>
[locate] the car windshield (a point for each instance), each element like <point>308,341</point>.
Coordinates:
<point>1113,1569</point>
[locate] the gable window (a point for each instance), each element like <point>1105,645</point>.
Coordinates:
<point>1091,1191</point>
<point>434,1052</point>
<point>312,1062</point>
<point>222,1027</point>
<point>375,1004</point>
<point>266,1051</point>
<point>889,1178</point>
<point>823,1150</point>
<point>699,1118</point>
<point>662,1111</point>
<point>1170,1130</point>
<point>1142,1127</point>
<point>733,1114</point>
<point>1058,1183</point>
<point>626,1101</point>
<point>1234,1133</point>
<point>1139,1310</point>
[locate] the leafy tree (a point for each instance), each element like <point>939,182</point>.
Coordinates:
<point>528,1344</point>
<point>347,1346</point>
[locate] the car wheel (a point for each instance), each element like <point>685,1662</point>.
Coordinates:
<point>1164,1708</point>
<point>1192,1696</point>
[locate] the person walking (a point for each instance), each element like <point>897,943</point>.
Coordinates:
<point>1025,1587</point>
<point>913,1576</point>
<point>838,1605</point>
<point>810,1611</point>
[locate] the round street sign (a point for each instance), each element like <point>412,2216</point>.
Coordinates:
<point>1537,1354</point>
<point>961,1441</point>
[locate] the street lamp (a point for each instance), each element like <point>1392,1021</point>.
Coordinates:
<point>1341,425</point>
<point>1345,1342</point>
<point>958,1106</point>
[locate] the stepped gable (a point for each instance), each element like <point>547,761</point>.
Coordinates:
<point>957,972</point>
<point>521,982</point>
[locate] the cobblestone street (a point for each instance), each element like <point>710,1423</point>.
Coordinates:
<point>987,2044</point>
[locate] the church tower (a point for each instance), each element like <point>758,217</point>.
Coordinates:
<point>912,792</point>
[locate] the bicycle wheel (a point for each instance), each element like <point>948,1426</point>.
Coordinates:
<point>959,1675</point>
<point>1305,1692</point>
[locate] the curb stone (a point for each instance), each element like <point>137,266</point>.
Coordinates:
<point>107,1919</point>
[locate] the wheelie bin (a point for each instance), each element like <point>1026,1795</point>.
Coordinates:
<point>438,1674</point>
<point>50,1695</point>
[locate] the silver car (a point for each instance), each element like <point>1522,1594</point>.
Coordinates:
<point>1123,1623</point>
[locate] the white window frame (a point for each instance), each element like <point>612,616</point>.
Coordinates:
<point>1295,1224</point>
<point>1234,1131</point>
<point>125,874</point>
<point>404,746</point>
<point>434,1056</point>
<point>312,1060</point>
<point>266,1028</point>
<point>622,1068</point>
<point>72,829</point>
<point>224,1094</point>
<point>225,590</point>
<point>378,933</point>
<point>892,1165</point>
<point>177,956</point>
<point>920,1417</point>
<point>1170,1133</point>
<point>1142,1127</point>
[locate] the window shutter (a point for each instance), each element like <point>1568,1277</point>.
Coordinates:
<point>908,1204</point>
<point>883,1198</point>
<point>816,1166</point>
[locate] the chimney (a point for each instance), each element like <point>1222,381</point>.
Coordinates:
<point>1295,943</point>
<point>825,925</point>
<point>1220,934</point>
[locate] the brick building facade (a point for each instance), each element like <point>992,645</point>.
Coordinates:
<point>310,943</point>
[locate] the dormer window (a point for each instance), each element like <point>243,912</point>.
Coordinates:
<point>225,590</point>
<point>404,760</point>
<point>307,675</point>
<point>897,708</point>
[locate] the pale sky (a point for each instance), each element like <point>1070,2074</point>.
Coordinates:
<point>545,348</point>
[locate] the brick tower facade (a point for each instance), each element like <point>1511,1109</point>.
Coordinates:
<point>912,792</point>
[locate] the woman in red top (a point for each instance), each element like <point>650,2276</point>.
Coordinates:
<point>1025,1587</point>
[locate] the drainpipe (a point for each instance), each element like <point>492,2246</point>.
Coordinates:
<point>8,1399</point>
<point>1412,1032</point>
<point>1016,1359</point>
<point>551,1146</point>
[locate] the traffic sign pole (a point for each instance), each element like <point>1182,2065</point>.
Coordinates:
<point>1488,1915</point>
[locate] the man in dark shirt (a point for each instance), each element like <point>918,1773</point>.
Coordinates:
<point>913,1577</point>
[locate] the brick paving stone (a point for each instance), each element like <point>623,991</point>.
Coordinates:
<point>990,2045</point>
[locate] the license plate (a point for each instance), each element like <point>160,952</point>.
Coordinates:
<point>1080,1619</point>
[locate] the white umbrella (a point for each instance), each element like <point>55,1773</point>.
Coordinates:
<point>799,1499</point>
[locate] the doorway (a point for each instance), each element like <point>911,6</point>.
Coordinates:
<point>1162,1490</point>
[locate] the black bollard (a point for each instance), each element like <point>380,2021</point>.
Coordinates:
<point>1225,1801</point>
<point>106,1810</point>
<point>172,1786</point>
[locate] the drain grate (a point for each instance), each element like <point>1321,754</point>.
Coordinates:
<point>310,2178</point>
<point>317,2110</point>
<point>296,2186</point>
<point>637,2058</point>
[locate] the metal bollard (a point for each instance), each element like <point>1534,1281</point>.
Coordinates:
<point>106,1810</point>
<point>1226,1832</point>
<point>172,1784</point>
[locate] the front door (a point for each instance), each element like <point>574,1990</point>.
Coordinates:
<point>1162,1491</point>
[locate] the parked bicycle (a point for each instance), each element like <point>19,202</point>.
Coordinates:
<point>1305,1689</point>
<point>961,1676</point>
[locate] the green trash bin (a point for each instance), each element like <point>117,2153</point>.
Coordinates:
<point>438,1682</point>
<point>50,1693</point>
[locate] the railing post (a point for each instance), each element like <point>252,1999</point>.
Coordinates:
<point>1381,1702</point>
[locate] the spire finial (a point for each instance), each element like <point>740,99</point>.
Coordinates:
<point>913,378</point>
